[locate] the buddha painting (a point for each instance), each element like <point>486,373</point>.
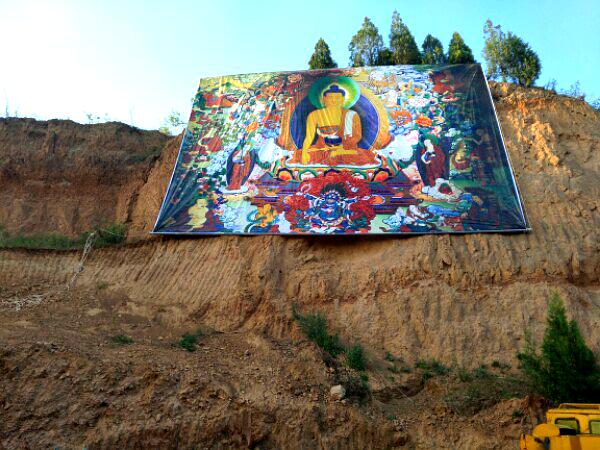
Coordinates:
<point>334,125</point>
<point>338,133</point>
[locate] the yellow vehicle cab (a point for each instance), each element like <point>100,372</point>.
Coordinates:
<point>571,426</point>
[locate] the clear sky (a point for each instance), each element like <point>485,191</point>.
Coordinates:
<point>135,61</point>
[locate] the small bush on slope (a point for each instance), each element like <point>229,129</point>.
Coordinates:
<point>314,326</point>
<point>565,370</point>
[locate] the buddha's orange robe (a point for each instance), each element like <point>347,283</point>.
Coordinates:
<point>350,135</point>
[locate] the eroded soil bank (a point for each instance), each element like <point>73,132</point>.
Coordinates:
<point>255,382</point>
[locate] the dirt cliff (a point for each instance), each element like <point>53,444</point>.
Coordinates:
<point>463,300</point>
<point>59,176</point>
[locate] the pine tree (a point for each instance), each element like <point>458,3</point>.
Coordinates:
<point>402,43</point>
<point>566,370</point>
<point>321,57</point>
<point>459,52</point>
<point>365,45</point>
<point>508,57</point>
<point>433,51</point>
<point>523,64</point>
<point>494,51</point>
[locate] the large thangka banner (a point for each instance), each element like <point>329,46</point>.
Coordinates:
<point>400,149</point>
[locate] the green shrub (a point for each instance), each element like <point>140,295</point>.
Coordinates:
<point>314,326</point>
<point>389,357</point>
<point>426,375</point>
<point>401,369</point>
<point>479,390</point>
<point>481,372</point>
<point>356,387</point>
<point>433,366</point>
<point>430,369</point>
<point>121,339</point>
<point>500,365</point>
<point>355,357</point>
<point>438,368</point>
<point>421,364</point>
<point>189,341</point>
<point>109,235</point>
<point>464,375</point>
<point>40,241</point>
<point>101,285</point>
<point>565,370</point>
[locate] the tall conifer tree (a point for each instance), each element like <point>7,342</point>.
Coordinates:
<point>366,45</point>
<point>508,57</point>
<point>402,43</point>
<point>523,64</point>
<point>494,51</point>
<point>459,52</point>
<point>565,370</point>
<point>433,51</point>
<point>321,57</point>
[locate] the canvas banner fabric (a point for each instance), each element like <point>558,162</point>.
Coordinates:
<point>369,150</point>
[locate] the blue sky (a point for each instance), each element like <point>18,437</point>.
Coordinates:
<point>135,61</point>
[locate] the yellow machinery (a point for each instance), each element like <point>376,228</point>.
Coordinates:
<point>571,426</point>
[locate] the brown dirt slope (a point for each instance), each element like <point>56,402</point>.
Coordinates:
<point>59,176</point>
<point>411,296</point>
<point>459,299</point>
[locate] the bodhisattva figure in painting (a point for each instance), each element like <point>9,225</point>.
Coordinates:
<point>338,132</point>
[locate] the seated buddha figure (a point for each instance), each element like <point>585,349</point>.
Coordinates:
<point>338,133</point>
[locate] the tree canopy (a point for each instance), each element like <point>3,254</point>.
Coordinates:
<point>507,56</point>
<point>523,65</point>
<point>403,47</point>
<point>493,51</point>
<point>458,51</point>
<point>365,45</point>
<point>433,51</point>
<point>321,57</point>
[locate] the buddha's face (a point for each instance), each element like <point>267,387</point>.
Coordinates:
<point>333,99</point>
